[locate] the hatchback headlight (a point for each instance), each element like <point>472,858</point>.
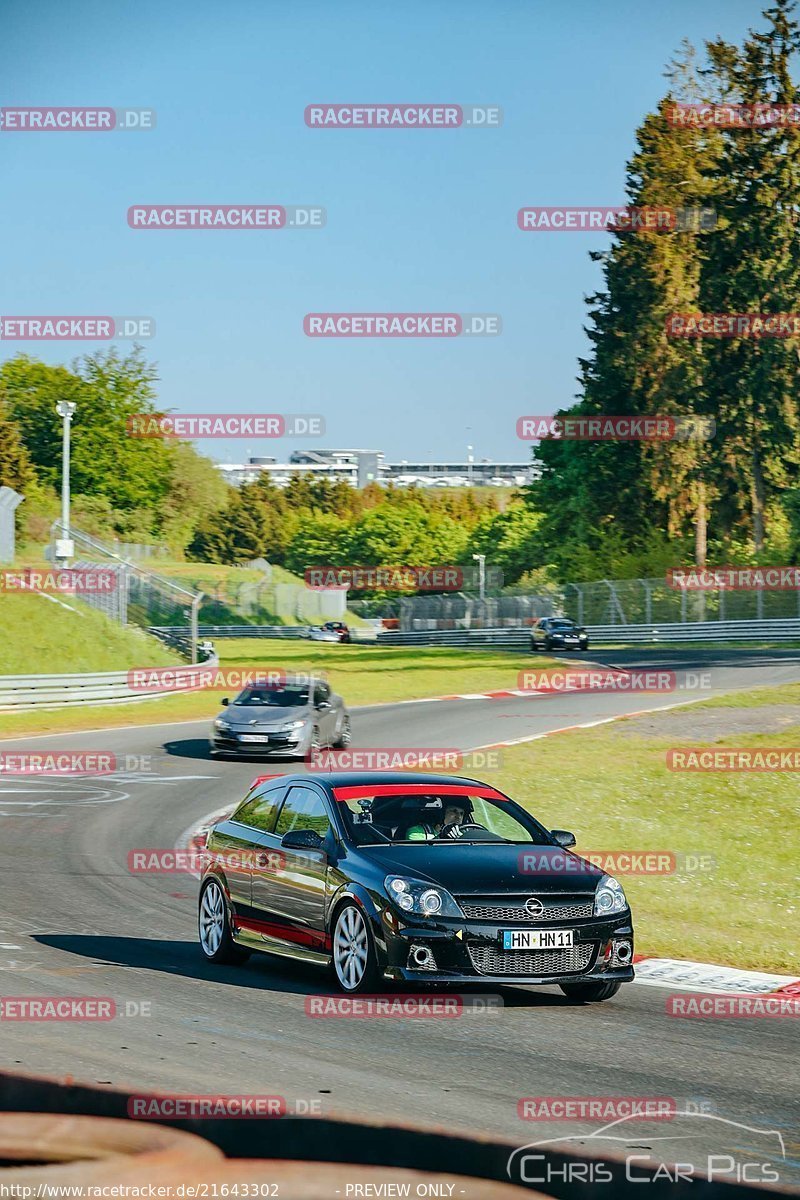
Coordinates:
<point>609,897</point>
<point>425,899</point>
<point>288,726</point>
<point>222,725</point>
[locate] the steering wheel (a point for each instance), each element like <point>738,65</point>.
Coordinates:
<point>460,826</point>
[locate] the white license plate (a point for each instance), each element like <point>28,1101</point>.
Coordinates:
<point>536,939</point>
<point>254,737</point>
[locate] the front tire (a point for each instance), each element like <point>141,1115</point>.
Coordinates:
<point>355,964</point>
<point>216,940</point>
<point>590,993</point>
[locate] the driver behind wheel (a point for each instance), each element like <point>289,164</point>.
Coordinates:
<point>453,818</point>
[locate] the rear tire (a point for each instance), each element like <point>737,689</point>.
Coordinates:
<point>590,993</point>
<point>216,941</point>
<point>345,736</point>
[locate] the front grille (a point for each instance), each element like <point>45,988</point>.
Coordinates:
<point>487,960</point>
<point>560,908</point>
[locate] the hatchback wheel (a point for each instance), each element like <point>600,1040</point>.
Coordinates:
<point>345,736</point>
<point>354,962</point>
<point>590,992</point>
<point>216,941</point>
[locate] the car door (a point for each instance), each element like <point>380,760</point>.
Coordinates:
<point>324,712</point>
<point>291,898</point>
<point>240,847</point>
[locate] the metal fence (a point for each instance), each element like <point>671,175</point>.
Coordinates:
<point>600,603</point>
<point>646,601</point>
<point>140,597</point>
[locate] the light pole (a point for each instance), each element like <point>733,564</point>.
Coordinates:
<point>65,547</point>
<point>470,460</point>
<point>481,561</point>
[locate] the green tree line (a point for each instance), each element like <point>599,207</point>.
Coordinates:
<point>163,491</point>
<point>628,508</point>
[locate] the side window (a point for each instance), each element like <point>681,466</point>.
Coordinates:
<point>260,811</point>
<point>303,809</point>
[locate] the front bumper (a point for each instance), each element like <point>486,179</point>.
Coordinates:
<point>280,744</point>
<point>469,951</point>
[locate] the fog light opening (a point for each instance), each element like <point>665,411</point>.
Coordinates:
<point>623,952</point>
<point>421,958</point>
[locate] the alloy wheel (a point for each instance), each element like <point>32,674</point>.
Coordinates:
<point>212,919</point>
<point>350,948</point>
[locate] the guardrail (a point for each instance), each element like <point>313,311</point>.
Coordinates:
<point>292,632</point>
<point>21,692</point>
<point>519,637</point>
<point>698,631</point>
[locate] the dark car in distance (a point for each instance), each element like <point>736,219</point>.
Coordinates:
<point>291,719</point>
<point>551,633</point>
<point>398,877</point>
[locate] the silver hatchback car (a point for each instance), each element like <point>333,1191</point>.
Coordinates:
<point>291,719</point>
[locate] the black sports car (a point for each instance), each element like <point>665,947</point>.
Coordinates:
<point>396,876</point>
<point>549,633</point>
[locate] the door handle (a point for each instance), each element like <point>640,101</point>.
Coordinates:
<point>262,859</point>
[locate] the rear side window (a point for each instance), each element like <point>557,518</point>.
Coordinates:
<point>260,811</point>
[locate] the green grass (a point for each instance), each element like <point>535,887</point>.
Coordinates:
<point>362,674</point>
<point>614,791</point>
<point>40,637</point>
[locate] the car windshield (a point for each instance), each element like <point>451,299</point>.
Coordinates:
<point>438,817</point>
<point>273,697</point>
<point>563,624</point>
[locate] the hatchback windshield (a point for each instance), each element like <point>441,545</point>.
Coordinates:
<point>437,818</point>
<point>274,697</point>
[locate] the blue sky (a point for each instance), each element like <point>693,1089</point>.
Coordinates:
<point>416,220</point>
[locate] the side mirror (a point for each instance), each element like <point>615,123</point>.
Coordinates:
<point>225,702</point>
<point>563,837</point>
<point>302,839</point>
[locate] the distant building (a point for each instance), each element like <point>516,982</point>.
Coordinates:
<point>360,467</point>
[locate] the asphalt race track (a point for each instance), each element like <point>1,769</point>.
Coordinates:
<point>75,921</point>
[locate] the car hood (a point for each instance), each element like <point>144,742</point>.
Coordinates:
<point>489,868</point>
<point>253,714</point>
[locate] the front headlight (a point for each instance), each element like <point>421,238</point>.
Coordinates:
<point>222,725</point>
<point>425,899</point>
<point>609,897</point>
<point>288,726</point>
